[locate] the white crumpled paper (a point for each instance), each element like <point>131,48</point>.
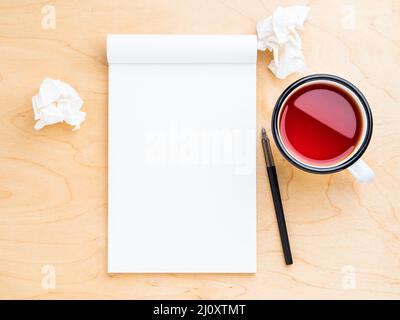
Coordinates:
<point>57,102</point>
<point>278,34</point>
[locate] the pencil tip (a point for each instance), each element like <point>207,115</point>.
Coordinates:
<point>264,133</point>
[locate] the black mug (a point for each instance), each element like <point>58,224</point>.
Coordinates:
<point>352,162</point>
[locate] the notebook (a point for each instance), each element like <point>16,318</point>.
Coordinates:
<point>182,153</point>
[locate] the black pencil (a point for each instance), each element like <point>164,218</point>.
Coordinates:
<point>276,196</point>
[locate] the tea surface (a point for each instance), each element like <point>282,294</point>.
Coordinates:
<point>320,124</point>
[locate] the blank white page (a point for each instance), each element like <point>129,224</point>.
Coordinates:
<point>181,163</point>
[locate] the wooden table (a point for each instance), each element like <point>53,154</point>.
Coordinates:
<point>53,183</point>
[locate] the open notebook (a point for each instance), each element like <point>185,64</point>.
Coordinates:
<point>182,176</point>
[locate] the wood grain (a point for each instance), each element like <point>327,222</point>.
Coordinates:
<point>53,182</point>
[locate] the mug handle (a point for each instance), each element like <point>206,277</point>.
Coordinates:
<point>361,171</point>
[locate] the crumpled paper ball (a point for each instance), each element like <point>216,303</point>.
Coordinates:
<point>278,34</point>
<point>57,102</point>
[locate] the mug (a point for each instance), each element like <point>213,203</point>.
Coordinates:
<point>324,112</point>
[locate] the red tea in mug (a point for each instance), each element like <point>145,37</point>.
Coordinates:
<point>320,124</point>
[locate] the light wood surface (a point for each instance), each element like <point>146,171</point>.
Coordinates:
<point>53,182</point>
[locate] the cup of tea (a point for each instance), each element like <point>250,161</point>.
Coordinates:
<point>323,124</point>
